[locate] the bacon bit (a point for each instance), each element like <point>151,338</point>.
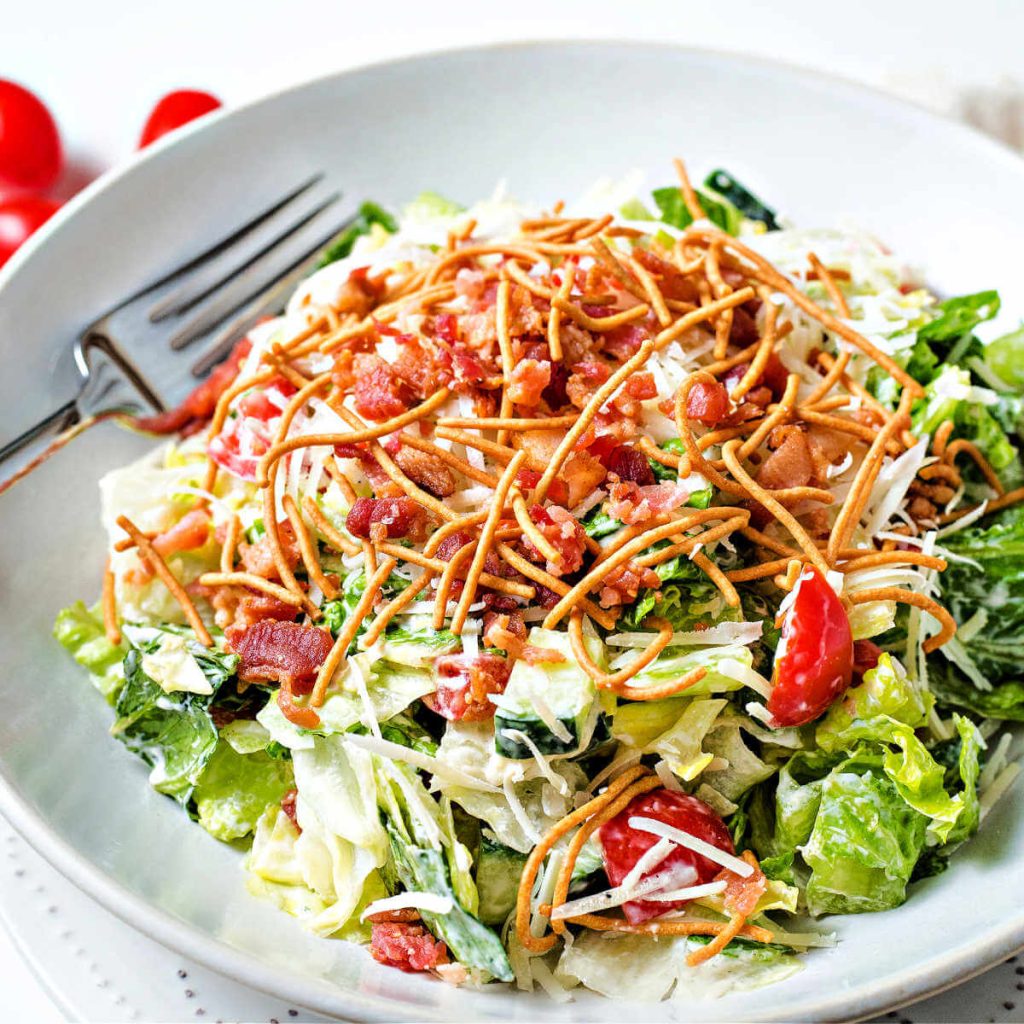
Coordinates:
<point>582,473</point>
<point>790,464</point>
<point>635,505</point>
<point>288,806</point>
<point>379,392</point>
<point>624,582</point>
<point>564,533</point>
<point>708,403</point>
<point>240,608</point>
<point>201,402</point>
<point>587,376</point>
<point>505,632</point>
<point>420,367</point>
<point>399,517</point>
<point>527,479</point>
<point>470,284</point>
<point>188,533</point>
<point>359,294</point>
<point>629,464</point>
<point>463,684</point>
<point>409,947</point>
<point>529,380</point>
<point>624,341</point>
<point>741,894</point>
<point>424,469</point>
<point>284,652</point>
<point>258,558</point>
<point>744,327</point>
<point>673,284</point>
<point>641,386</point>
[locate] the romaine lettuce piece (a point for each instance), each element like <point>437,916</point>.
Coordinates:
<point>863,846</point>
<point>236,789</point>
<point>885,691</point>
<point>428,857</point>
<point>80,632</point>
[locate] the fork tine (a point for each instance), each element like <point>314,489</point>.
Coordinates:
<point>226,243</point>
<point>235,259</point>
<point>270,300</point>
<point>263,273</point>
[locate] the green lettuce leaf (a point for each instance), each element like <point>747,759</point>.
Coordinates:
<point>80,632</point>
<point>717,208</point>
<point>723,184</point>
<point>173,733</point>
<point>863,846</point>
<point>235,790</point>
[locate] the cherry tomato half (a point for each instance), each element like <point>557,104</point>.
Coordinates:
<point>622,846</point>
<point>174,110</point>
<point>31,156</point>
<point>19,218</point>
<point>814,663</point>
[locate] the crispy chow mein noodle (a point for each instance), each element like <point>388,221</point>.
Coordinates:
<point>520,448</point>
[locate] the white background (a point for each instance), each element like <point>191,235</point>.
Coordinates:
<point>100,65</point>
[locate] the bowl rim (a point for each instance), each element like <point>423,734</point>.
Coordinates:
<point>910,985</point>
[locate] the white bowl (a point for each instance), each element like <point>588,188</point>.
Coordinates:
<point>549,118</point>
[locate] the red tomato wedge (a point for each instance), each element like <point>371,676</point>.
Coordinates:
<point>814,662</point>
<point>31,155</point>
<point>623,846</point>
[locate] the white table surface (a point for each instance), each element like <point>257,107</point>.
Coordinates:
<point>101,65</point>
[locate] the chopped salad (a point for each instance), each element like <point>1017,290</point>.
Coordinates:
<point>601,595</point>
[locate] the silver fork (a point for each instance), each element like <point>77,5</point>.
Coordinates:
<point>147,353</point>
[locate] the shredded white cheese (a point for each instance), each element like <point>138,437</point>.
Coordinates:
<point>385,748</point>
<point>429,901</point>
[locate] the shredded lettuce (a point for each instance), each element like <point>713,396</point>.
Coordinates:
<point>369,216</point>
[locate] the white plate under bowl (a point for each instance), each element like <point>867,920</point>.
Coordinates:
<point>549,118</point>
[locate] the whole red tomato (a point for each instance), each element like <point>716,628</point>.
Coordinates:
<point>19,217</point>
<point>174,110</point>
<point>30,151</point>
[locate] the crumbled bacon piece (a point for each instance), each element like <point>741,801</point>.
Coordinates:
<point>742,894</point>
<point>359,293</point>
<point>452,545</point>
<point>400,517</point>
<point>504,632</point>
<point>419,366</point>
<point>708,403</point>
<point>790,464</point>
<point>188,533</point>
<point>629,463</point>
<point>582,473</point>
<point>623,342</point>
<point>587,376</point>
<point>239,607</point>
<point>288,806</point>
<point>565,535</point>
<point>635,505</point>
<point>379,392</point>
<point>744,327</point>
<point>463,684</point>
<point>673,283</point>
<point>258,558</point>
<point>409,947</point>
<point>425,470</point>
<point>284,652</point>
<point>529,380</point>
<point>527,480</point>
<point>470,284</point>
<point>641,386</point>
<point>624,582</point>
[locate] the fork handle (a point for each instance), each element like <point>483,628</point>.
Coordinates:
<point>30,449</point>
